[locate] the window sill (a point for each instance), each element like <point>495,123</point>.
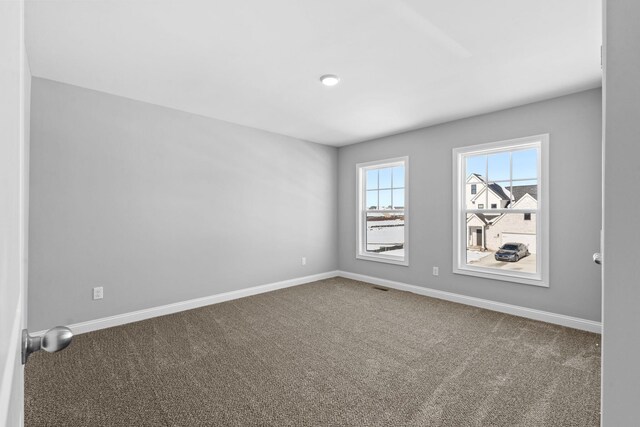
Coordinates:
<point>384,259</point>
<point>504,277</point>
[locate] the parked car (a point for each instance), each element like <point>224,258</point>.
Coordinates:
<point>512,252</point>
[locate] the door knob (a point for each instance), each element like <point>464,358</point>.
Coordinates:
<point>597,258</point>
<point>55,339</point>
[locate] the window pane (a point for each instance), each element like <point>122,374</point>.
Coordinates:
<point>381,231</point>
<point>525,164</point>
<point>476,165</point>
<point>475,193</point>
<point>372,179</point>
<point>384,177</point>
<point>385,233</point>
<point>398,199</point>
<point>498,194</point>
<point>398,177</point>
<point>372,199</point>
<point>499,167</point>
<point>487,234</point>
<point>524,195</point>
<point>385,199</point>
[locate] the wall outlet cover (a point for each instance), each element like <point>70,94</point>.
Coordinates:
<point>98,292</point>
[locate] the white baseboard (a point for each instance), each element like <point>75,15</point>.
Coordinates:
<point>529,313</point>
<point>135,316</point>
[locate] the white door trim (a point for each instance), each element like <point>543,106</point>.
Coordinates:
<point>9,369</point>
<point>14,185</point>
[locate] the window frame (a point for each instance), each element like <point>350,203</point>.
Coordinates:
<point>361,211</point>
<point>460,266</point>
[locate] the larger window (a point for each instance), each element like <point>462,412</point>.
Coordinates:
<point>382,211</point>
<point>510,240</point>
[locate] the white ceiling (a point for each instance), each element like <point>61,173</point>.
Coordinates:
<point>403,64</point>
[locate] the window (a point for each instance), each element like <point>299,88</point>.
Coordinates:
<point>509,242</point>
<point>382,211</point>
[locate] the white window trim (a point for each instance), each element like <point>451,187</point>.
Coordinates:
<point>541,278</point>
<point>361,208</point>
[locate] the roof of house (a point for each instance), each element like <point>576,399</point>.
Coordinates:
<point>496,188</point>
<point>487,219</point>
<point>519,191</point>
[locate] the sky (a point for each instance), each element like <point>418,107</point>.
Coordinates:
<point>385,187</point>
<point>524,166</point>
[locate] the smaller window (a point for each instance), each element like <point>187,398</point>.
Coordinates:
<point>382,211</point>
<point>474,189</point>
<point>494,206</point>
<point>480,206</point>
<point>527,217</point>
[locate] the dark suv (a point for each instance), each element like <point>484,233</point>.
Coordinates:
<point>512,252</point>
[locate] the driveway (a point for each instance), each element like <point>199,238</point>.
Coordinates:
<point>527,264</point>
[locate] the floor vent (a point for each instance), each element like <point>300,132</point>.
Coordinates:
<point>380,289</point>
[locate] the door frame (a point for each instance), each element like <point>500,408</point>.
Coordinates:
<point>15,82</point>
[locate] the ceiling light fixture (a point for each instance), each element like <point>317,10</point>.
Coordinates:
<point>329,79</point>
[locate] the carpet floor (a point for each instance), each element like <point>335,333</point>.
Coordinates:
<point>331,353</point>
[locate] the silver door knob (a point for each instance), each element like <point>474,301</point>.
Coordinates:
<point>55,339</point>
<point>597,258</point>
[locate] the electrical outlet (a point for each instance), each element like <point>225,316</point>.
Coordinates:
<point>436,271</point>
<point>304,260</point>
<point>98,293</point>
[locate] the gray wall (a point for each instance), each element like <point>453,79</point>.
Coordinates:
<point>160,206</point>
<point>621,285</point>
<point>574,125</point>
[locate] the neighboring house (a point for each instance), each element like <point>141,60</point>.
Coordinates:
<point>483,196</point>
<point>516,227</point>
<point>487,231</point>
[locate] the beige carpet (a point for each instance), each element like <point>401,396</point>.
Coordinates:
<point>332,353</point>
